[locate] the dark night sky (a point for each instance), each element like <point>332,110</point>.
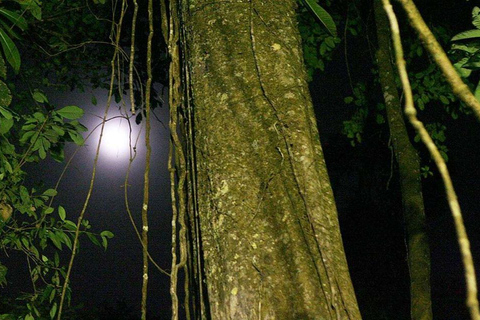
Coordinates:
<point>370,214</point>
<point>114,275</point>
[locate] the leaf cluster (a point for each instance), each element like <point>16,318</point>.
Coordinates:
<point>30,129</point>
<point>318,40</point>
<point>466,52</point>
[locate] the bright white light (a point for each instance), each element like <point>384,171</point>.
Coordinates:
<point>115,140</point>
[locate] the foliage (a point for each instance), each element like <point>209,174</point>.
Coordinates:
<point>430,88</point>
<point>437,133</point>
<point>29,222</point>
<point>323,16</point>
<point>66,50</point>
<point>466,51</point>
<point>318,42</point>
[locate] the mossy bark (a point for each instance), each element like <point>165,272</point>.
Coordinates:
<point>271,240</point>
<point>410,179</point>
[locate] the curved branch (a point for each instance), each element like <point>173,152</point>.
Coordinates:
<point>464,243</point>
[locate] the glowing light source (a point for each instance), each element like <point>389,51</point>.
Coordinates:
<point>115,140</point>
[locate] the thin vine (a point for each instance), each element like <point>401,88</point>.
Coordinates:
<point>132,56</point>
<point>176,157</point>
<point>92,180</point>
<point>147,162</point>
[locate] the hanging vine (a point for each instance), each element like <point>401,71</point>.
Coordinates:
<point>117,31</point>
<point>176,160</point>
<point>147,162</point>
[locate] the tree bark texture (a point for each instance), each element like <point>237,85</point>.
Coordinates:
<point>410,179</point>
<point>270,235</point>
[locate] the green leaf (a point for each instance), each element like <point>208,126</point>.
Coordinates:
<point>10,50</point>
<point>39,96</point>
<point>25,243</point>
<point>5,125</point>
<point>58,130</point>
<point>56,259</point>
<point>468,47</point>
<point>5,113</point>
<point>94,100</point>
<point>49,210</point>
<point>93,239</point>
<point>39,116</point>
<point>469,34</point>
<point>29,317</point>
<point>67,240</point>
<point>9,30</point>
<point>34,250</point>
<point>104,243</point>
<point>70,225</point>
<point>71,112</point>
<point>53,311</point>
<point>477,91</point>
<point>444,100</point>
<point>33,7</point>
<point>76,137</point>
<point>348,100</point>
<point>107,234</point>
<point>463,72</point>
<point>14,17</point>
<point>476,17</point>
<point>52,295</point>
<point>62,213</point>
<point>5,95</point>
<point>57,154</point>
<point>55,240</point>
<point>41,151</point>
<point>322,15</point>
<point>50,192</point>
<point>3,68</point>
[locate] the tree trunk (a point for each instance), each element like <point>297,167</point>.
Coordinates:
<point>270,237</point>
<point>410,180</point>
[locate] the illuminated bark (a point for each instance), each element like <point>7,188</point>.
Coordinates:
<point>269,230</point>
<point>410,181</point>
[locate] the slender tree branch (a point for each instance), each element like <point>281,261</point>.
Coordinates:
<point>146,185</point>
<point>464,243</point>
<point>431,44</point>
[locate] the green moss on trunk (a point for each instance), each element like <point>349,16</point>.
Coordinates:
<point>270,235</point>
